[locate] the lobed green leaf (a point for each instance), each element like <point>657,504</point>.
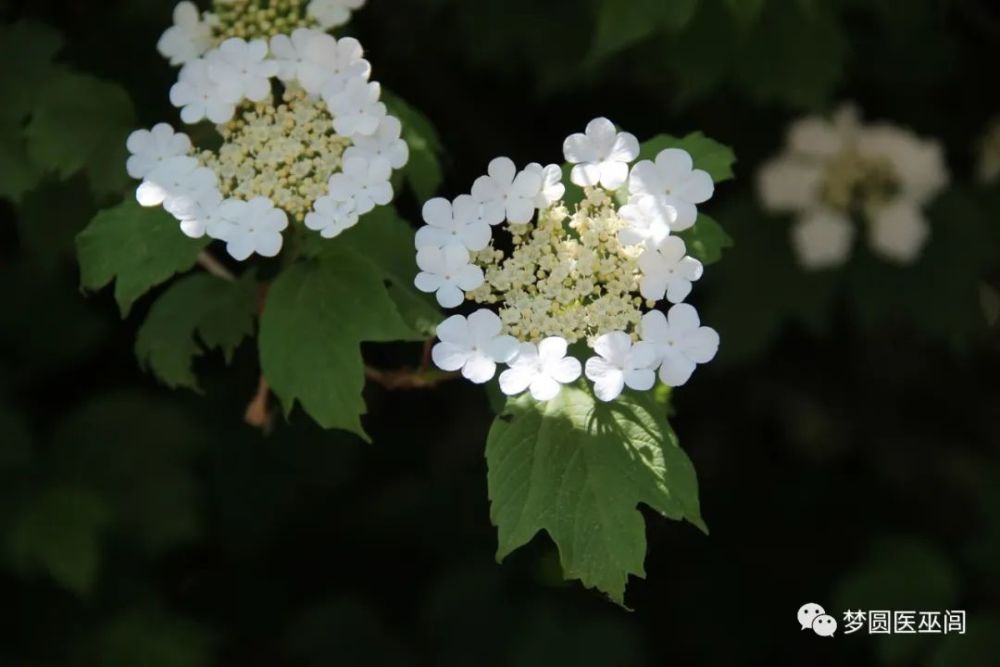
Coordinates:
<point>577,468</point>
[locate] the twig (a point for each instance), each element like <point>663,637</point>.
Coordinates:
<point>407,379</point>
<point>258,413</point>
<point>208,262</point>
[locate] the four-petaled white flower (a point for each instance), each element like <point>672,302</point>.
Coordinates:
<point>447,272</point>
<point>621,364</point>
<point>600,155</point>
<point>196,211</point>
<point>199,96</point>
<point>307,56</point>
<point>174,177</point>
<point>366,182</point>
<point>332,13</point>
<point>386,143</point>
<point>473,345</point>
<point>552,185</point>
<point>244,66</point>
<point>542,369</point>
<point>356,109</point>
<point>505,193</point>
<point>673,179</point>
<point>666,269</point>
<point>151,148</point>
<point>188,38</point>
<point>649,220</point>
<point>680,340</point>
<point>330,216</point>
<point>453,223</point>
<point>249,227</point>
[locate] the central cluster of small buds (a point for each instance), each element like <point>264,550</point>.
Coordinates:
<point>855,183</point>
<point>574,284</point>
<point>247,20</point>
<point>286,152</point>
<point>591,272</point>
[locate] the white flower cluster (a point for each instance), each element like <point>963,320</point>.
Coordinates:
<point>321,151</point>
<point>580,275</point>
<point>836,171</point>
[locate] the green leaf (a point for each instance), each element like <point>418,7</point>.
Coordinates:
<point>17,173</point>
<point>578,468</point>
<point>138,454</point>
<point>746,12</point>
<point>423,171</point>
<point>27,50</point>
<point>798,56</point>
<point>708,154</point>
<point>978,647</point>
<point>136,247</point>
<point>15,440</point>
<point>706,239</point>
<point>81,122</point>
<point>386,240</point>
<point>151,639</point>
<point>624,23</point>
<point>59,534</point>
<point>219,312</point>
<point>318,313</point>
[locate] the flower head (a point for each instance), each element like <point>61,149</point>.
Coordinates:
<point>319,160</point>
<point>571,274</point>
<point>839,172</point>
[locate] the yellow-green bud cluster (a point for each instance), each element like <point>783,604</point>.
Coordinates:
<point>253,19</point>
<point>854,183</point>
<point>568,275</point>
<point>286,152</point>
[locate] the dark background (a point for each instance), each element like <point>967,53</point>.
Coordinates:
<point>846,439</point>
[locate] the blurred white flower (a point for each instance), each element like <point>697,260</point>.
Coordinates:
<point>356,109</point>
<point>330,216</point>
<point>649,220</point>
<point>838,172</point>
<point>188,38</point>
<point>332,13</point>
